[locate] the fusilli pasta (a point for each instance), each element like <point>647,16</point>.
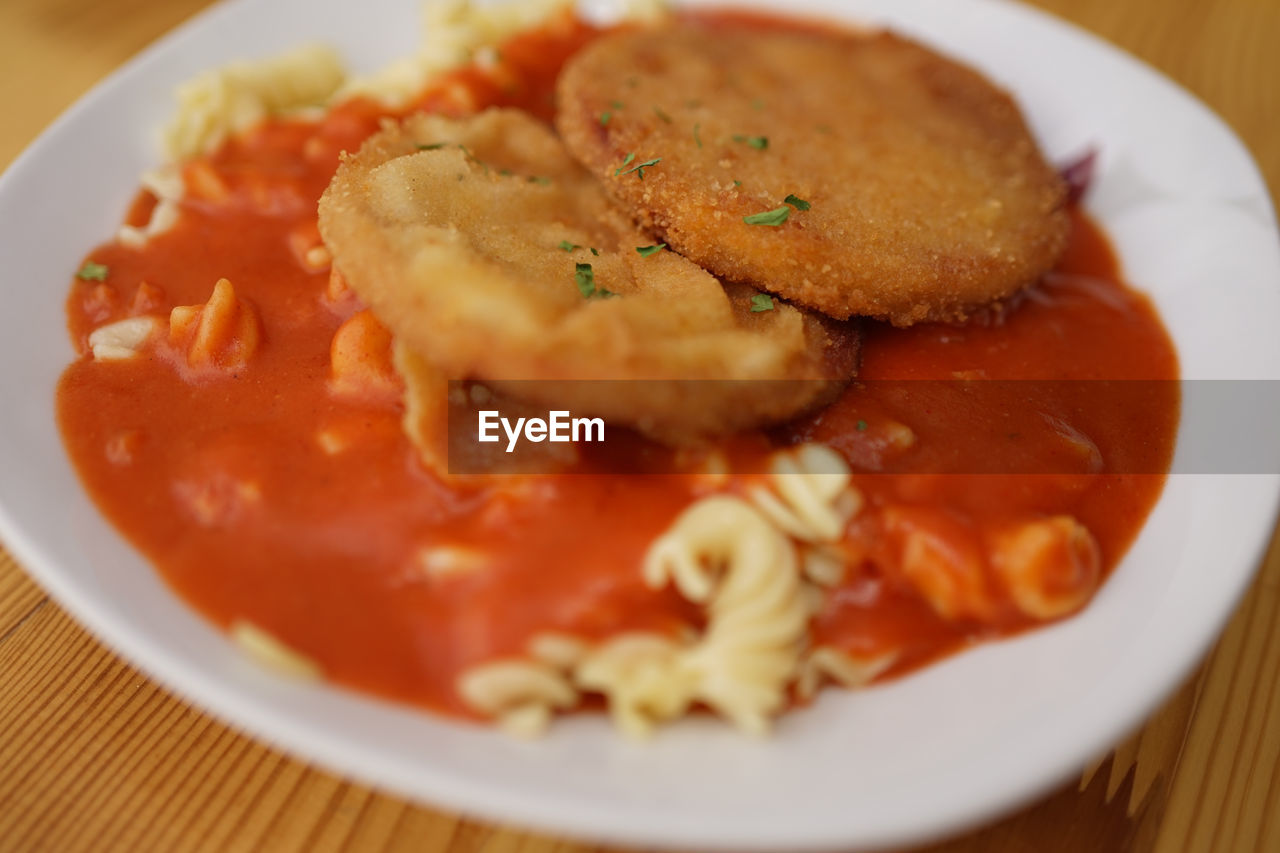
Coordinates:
<point>221,102</point>
<point>270,651</point>
<point>520,694</point>
<point>122,339</point>
<point>828,663</point>
<point>811,498</point>
<point>644,678</point>
<point>758,613</point>
<point>738,561</point>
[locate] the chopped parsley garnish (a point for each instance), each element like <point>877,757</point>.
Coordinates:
<point>760,143</point>
<point>761,302</point>
<point>473,158</point>
<point>778,215</point>
<point>638,168</point>
<point>540,180</point>
<point>697,137</point>
<point>595,252</point>
<point>737,184</point>
<point>565,245</point>
<point>585,278</point>
<point>92,272</point>
<point>658,111</point>
<point>607,115</point>
<point>861,426</point>
<point>774,217</point>
<point>626,161</point>
<point>433,146</point>
<point>506,173</point>
<point>646,251</point>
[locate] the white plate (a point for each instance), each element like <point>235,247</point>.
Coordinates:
<point>930,754</point>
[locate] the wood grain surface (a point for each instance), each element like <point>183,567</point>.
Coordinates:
<point>95,757</point>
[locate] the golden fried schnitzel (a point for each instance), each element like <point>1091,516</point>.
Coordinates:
<point>854,174</point>
<point>491,253</point>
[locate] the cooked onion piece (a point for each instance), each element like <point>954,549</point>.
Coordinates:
<point>489,252</point>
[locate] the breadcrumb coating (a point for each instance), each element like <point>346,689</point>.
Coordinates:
<point>491,253</point>
<point>856,174</point>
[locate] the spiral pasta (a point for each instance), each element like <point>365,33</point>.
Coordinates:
<point>811,498</point>
<point>520,694</point>
<point>272,652</point>
<point>226,100</point>
<point>167,186</point>
<point>457,31</point>
<point>758,567</point>
<point>223,333</point>
<point>123,339</point>
<point>644,678</point>
<point>758,613</point>
<point>827,663</point>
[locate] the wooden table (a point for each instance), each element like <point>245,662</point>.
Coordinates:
<point>93,756</point>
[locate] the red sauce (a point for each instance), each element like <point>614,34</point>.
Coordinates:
<point>218,476</point>
<point>1079,326</point>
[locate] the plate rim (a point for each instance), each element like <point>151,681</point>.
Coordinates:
<point>164,666</point>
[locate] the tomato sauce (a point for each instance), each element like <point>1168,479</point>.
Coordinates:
<point>1081,378</point>
<point>232,483</point>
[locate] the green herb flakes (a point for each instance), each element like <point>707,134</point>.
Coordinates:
<point>658,111</point>
<point>433,146</point>
<point>697,136</point>
<point>760,143</point>
<point>607,115</point>
<point>761,302</point>
<point>797,203</point>
<point>646,251</point>
<point>566,246</point>
<point>585,278</point>
<point>638,168</point>
<point>775,217</point>
<point>626,161</point>
<point>92,272</point>
<point>861,426</point>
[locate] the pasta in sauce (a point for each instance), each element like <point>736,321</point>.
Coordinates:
<point>237,414</point>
